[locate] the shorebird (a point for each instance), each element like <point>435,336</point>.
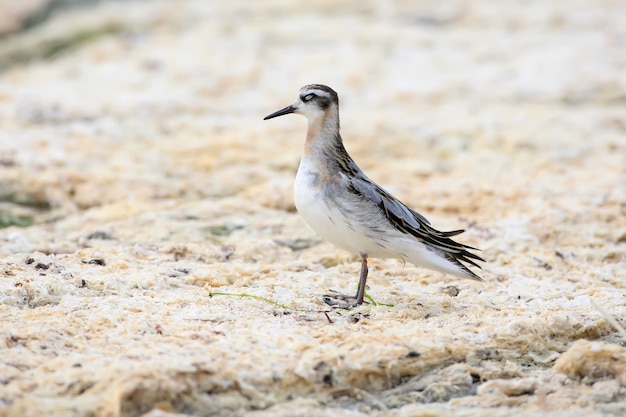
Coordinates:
<point>348,209</point>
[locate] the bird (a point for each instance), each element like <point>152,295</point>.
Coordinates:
<point>345,207</point>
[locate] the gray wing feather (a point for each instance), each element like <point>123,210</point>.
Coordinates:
<point>413,223</point>
<point>379,196</point>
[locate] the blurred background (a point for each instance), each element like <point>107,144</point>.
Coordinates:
<point>102,100</point>
<point>137,178</point>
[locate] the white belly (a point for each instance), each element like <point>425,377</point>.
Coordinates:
<point>328,220</point>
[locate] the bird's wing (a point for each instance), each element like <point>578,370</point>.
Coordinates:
<point>413,223</point>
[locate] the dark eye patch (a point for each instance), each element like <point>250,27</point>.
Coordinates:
<point>308,97</point>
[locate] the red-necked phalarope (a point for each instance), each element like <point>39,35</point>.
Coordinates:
<point>351,211</point>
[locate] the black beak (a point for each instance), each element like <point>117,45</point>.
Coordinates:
<point>281,112</point>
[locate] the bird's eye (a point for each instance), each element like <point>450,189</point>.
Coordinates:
<point>308,97</point>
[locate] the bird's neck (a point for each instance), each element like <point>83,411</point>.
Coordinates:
<point>322,136</point>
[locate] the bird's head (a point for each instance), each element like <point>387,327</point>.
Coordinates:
<point>313,101</point>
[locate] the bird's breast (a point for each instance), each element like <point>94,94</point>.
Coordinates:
<point>327,206</point>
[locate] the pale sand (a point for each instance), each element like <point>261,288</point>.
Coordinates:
<point>507,119</point>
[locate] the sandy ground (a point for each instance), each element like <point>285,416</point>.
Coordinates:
<point>139,182</point>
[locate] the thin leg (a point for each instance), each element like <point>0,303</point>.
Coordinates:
<point>360,292</point>
<point>331,299</point>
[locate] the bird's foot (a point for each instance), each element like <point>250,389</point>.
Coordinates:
<point>338,300</point>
